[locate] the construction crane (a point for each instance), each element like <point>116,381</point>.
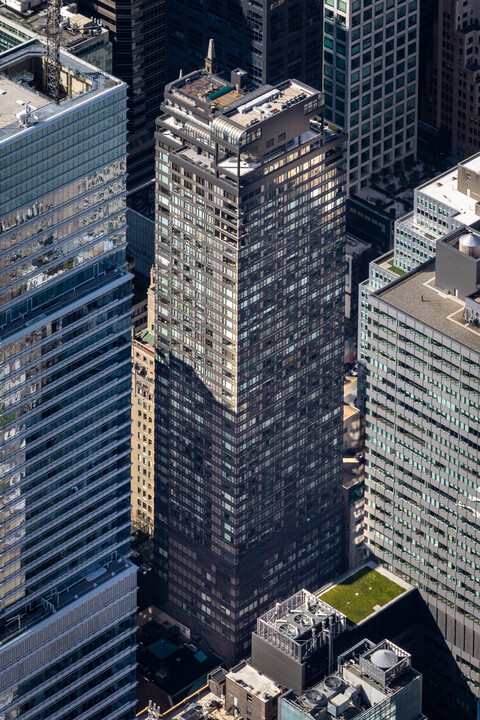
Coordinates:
<point>53,31</point>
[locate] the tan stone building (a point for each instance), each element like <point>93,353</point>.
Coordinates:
<point>143,419</point>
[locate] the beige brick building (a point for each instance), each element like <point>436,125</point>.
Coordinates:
<point>143,418</point>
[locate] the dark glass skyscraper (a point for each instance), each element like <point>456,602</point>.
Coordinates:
<point>67,593</point>
<point>271,40</point>
<point>249,283</point>
<point>137,33</point>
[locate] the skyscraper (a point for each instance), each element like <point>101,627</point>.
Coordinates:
<point>419,343</point>
<point>272,41</point>
<point>370,81</point>
<point>68,595</point>
<point>451,99</point>
<point>249,278</point>
<point>137,33</point>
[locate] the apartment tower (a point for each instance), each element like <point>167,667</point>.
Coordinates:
<point>250,257</point>
<point>68,593</point>
<point>419,344</point>
<point>370,81</point>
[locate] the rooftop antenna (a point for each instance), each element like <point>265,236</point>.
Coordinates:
<point>52,32</point>
<point>210,62</point>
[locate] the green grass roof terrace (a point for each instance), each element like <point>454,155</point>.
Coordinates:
<point>360,594</point>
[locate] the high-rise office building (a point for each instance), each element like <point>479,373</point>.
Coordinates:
<point>68,595</point>
<point>270,40</point>
<point>250,263</point>
<point>451,97</point>
<point>137,33</point>
<point>81,36</point>
<point>370,81</point>
<point>419,344</point>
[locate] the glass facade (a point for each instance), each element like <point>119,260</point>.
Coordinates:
<point>370,80</point>
<point>249,324</point>
<point>65,324</point>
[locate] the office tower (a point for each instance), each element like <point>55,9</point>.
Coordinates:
<point>271,41</point>
<point>81,36</point>
<point>137,33</point>
<point>419,344</point>
<point>250,263</point>
<point>452,94</point>
<point>68,595</point>
<point>143,421</point>
<point>370,81</point>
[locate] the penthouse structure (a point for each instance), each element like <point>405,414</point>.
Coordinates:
<point>68,593</point>
<point>250,191</point>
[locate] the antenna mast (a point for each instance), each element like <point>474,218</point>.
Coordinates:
<point>53,30</point>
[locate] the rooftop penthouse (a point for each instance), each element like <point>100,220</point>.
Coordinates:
<point>229,130</point>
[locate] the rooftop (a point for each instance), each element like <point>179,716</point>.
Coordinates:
<point>362,593</point>
<point>201,704</point>
<point>257,683</point>
<point>21,80</point>
<point>299,623</point>
<point>349,410</point>
<point>13,99</point>
<point>443,189</point>
<point>367,675</point>
<point>75,28</point>
<point>205,86</point>
<point>417,295</point>
<point>270,103</point>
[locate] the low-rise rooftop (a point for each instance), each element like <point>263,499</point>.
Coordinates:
<point>256,682</point>
<point>444,189</point>
<point>362,593</point>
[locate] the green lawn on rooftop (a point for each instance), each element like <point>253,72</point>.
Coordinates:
<point>356,596</point>
<point>395,269</point>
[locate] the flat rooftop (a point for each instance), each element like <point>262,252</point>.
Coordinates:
<point>270,103</point>
<point>444,189</point>
<point>13,97</point>
<point>418,296</point>
<point>195,707</point>
<point>34,21</point>
<point>363,592</point>
<point>19,77</point>
<point>258,683</point>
